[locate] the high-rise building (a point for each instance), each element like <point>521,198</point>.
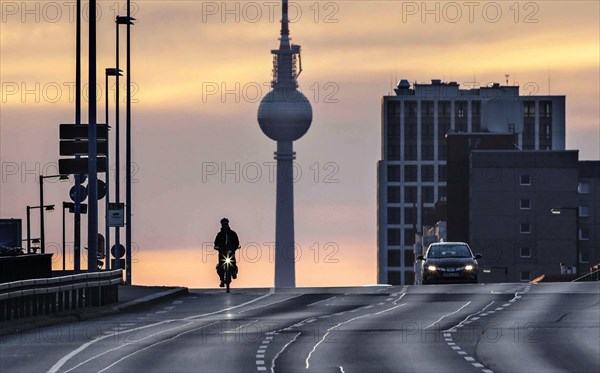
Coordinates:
<point>412,170</point>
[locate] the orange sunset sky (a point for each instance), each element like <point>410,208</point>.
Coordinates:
<point>199,70</point>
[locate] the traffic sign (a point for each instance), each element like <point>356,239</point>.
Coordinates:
<point>82,193</point>
<point>68,147</point>
<point>74,131</point>
<point>79,166</point>
<point>116,214</point>
<point>101,189</point>
<point>118,251</point>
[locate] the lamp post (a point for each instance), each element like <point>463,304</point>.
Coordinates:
<point>557,211</point>
<point>41,178</point>
<point>109,71</point>
<point>42,208</point>
<point>128,21</point>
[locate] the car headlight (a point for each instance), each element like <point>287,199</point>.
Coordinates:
<point>431,268</point>
<point>468,268</point>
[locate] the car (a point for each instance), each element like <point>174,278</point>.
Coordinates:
<point>449,262</point>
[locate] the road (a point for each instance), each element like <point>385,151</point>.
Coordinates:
<point>444,328</point>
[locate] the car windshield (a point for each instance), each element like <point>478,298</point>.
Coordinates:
<point>449,251</point>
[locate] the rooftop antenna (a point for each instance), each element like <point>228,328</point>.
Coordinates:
<point>549,84</point>
<point>506,76</point>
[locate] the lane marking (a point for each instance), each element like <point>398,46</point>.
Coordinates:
<point>155,344</point>
<point>401,296</point>
<point>281,351</point>
<point>239,327</point>
<point>62,361</point>
<point>469,358</point>
<point>269,304</point>
<point>450,314</point>
<point>478,365</point>
<point>340,324</point>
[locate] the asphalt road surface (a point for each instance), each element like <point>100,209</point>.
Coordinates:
<point>551,327</point>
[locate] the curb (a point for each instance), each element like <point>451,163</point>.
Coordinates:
<point>23,325</point>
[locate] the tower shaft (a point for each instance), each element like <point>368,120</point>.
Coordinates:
<point>285,263</point>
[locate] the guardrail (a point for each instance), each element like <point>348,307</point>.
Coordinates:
<point>594,275</point>
<point>50,295</point>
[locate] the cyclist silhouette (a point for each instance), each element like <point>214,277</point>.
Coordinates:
<point>226,240</point>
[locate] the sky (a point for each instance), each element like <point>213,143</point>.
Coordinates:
<point>199,70</point>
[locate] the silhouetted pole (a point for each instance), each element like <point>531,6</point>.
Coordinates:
<point>28,230</point>
<point>64,250</point>
<point>77,215</point>
<point>117,151</point>
<point>107,177</point>
<point>128,154</point>
<point>42,236</point>
<point>92,149</point>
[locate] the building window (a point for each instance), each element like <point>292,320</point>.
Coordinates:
<point>410,215</point>
<point>442,194</point>
<point>394,277</point>
<point>393,258</point>
<point>427,194</point>
<point>427,173</point>
<point>410,195</point>
<point>525,204</point>
<point>442,173</point>
<point>410,152</point>
<point>427,152</point>
<point>525,180</point>
<point>525,252</point>
<point>529,109</point>
<point>584,234</point>
<point>525,228</point>
<point>410,173</point>
<point>394,237</point>
<point>409,237</point>
<point>584,211</point>
<point>525,276</point>
<point>393,194</point>
<point>394,215</point>
<point>393,173</point>
<point>583,188</point>
<point>409,258</point>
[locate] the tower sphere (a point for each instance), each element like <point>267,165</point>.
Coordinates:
<point>284,114</point>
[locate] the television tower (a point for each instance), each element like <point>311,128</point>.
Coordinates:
<point>285,115</point>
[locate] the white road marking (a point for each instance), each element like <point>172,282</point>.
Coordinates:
<point>499,309</point>
<point>478,365</point>
<point>260,362</point>
<point>269,304</point>
<point>450,314</point>
<point>160,312</point>
<point>177,302</point>
<point>281,351</point>
<point>462,352</point>
<point>466,320</point>
<point>401,296</point>
<point>506,305</point>
<point>62,361</point>
<point>239,327</point>
<point>155,344</point>
<point>261,369</point>
<point>469,358</point>
<point>342,323</point>
<point>260,356</point>
<point>455,348</point>
<point>342,369</point>
<point>487,371</point>
<point>261,351</point>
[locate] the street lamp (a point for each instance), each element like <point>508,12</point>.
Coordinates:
<point>557,211</point>
<point>120,20</point>
<point>42,208</point>
<point>109,71</point>
<point>128,22</point>
<point>42,177</point>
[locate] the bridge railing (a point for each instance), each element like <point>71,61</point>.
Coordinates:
<point>35,297</point>
<point>594,275</point>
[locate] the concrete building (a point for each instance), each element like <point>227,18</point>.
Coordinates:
<point>513,195</point>
<point>412,170</point>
